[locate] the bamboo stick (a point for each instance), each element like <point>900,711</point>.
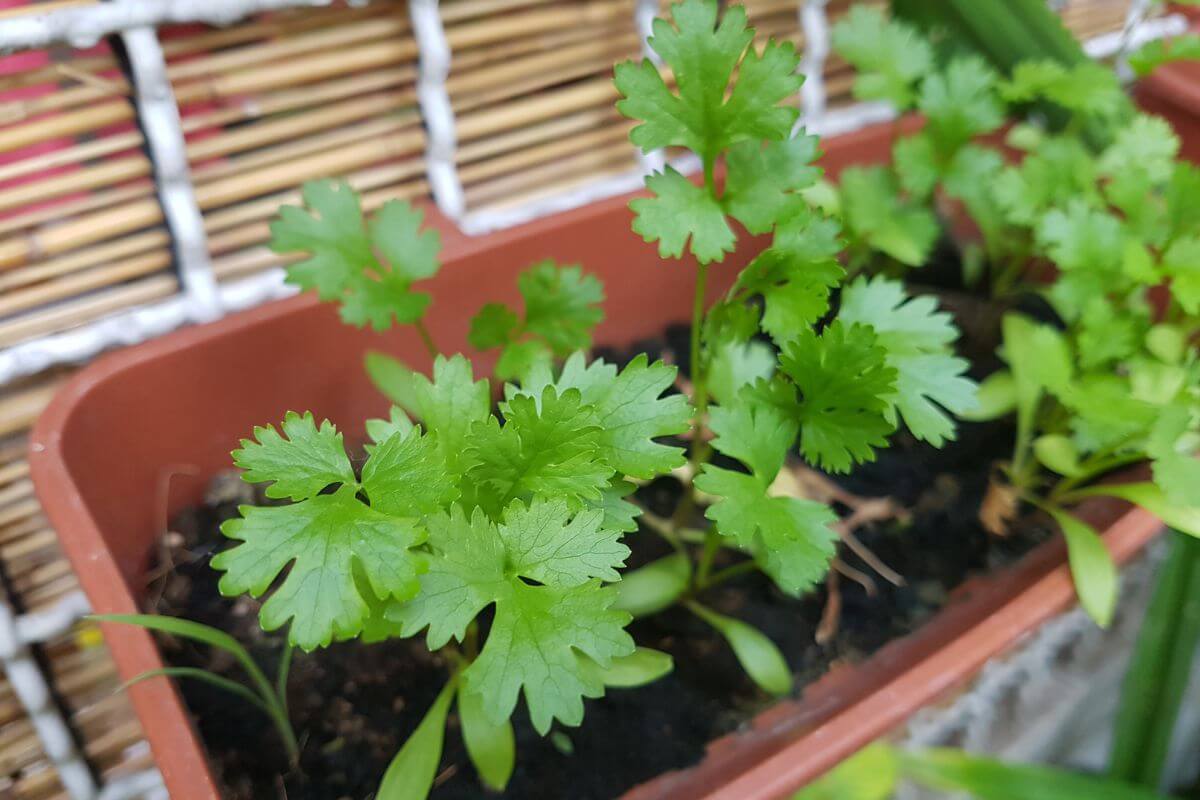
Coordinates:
<point>581,168</point>
<point>43,7</point>
<point>79,180</point>
<point>66,208</point>
<point>14,471</point>
<point>561,127</point>
<point>24,527</point>
<point>453,12</point>
<point>102,253</point>
<point>281,129</point>
<point>75,154</point>
<point>17,490</point>
<point>63,97</point>
<point>334,38</point>
<point>584,94</point>
<point>593,12</point>
<point>85,309</point>
<point>20,408</point>
<point>67,124</point>
<point>546,154</point>
<point>80,282</point>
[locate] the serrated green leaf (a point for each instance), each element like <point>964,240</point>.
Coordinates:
<point>325,539</point>
<point>845,383</point>
<point>406,476</point>
<point>1085,88</point>
<point>874,212</point>
<point>493,326</point>
<point>918,340</point>
<point>681,211</point>
<point>1082,238</point>
<point>960,102</point>
<point>762,181</point>
<point>532,645</point>
<point>619,513</point>
<point>1181,263</point>
<point>1059,171</point>
<point>380,430</point>
<point>889,56</point>
<point>546,446</point>
<point>917,165</point>
<point>543,542</point>
<point>450,405</point>
<point>703,55</point>
<point>734,365</point>
<point>562,304</point>
<point>628,408</point>
<point>368,266</point>
<point>1176,471</point>
<point>1147,141</point>
<point>300,465</point>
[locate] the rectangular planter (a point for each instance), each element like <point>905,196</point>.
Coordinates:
<point>135,437</point>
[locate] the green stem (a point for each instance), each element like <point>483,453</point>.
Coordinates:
<point>712,545</point>
<point>1159,669</point>
<point>698,453</point>
<point>281,677</point>
<point>426,338</point>
<point>722,575</point>
<point>1091,469</point>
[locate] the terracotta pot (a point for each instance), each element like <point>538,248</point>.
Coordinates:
<point>135,437</point>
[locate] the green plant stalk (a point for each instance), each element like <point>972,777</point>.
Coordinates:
<point>426,339</point>
<point>1159,669</point>
<point>281,678</point>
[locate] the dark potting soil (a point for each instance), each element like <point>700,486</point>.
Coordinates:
<point>353,705</point>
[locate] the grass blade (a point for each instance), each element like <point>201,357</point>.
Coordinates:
<point>195,673</point>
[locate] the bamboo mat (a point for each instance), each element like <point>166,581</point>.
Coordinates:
<point>36,575</point>
<point>267,104</point>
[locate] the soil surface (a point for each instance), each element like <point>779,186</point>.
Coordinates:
<point>353,705</point>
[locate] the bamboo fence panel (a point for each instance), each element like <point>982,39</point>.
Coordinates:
<point>70,155</point>
<point>35,576</point>
<point>257,127</point>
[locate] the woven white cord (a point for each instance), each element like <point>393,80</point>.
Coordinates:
<point>815,24</point>
<point>84,26</point>
<point>644,14</point>
<point>159,116</point>
<point>440,128</point>
<point>33,692</point>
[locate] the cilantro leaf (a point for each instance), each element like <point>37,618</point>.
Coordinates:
<point>736,364</point>
<point>1182,263</point>
<point>538,630</point>
<point>450,405</point>
<point>369,267</point>
<point>960,102</point>
<point>628,409</point>
<point>533,645</point>
<point>795,275</point>
<point>874,212</point>
<point>1058,172</point>
<point>1176,472</point>
<point>790,537</point>
<point>1085,88</point>
<point>680,210</point>
<point>1147,141</point>
<point>301,465</point>
<point>917,164</point>
<point>550,445</point>
<point>562,305</point>
<point>703,55</point>
<point>1081,238</point>
<point>918,340</point>
<point>762,182</point>
<point>845,382</point>
<point>406,476</point>
<point>890,56</point>
<point>327,539</point>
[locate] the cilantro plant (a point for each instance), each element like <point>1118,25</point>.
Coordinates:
<point>495,530</point>
<point>1113,379</point>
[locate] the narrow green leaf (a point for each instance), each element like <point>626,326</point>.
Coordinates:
<point>1058,453</point>
<point>644,665</point>
<point>1151,498</point>
<point>870,774</point>
<point>997,397</point>
<point>411,773</point>
<point>233,687</point>
<point>393,379</point>
<point>653,587</point>
<point>492,747</point>
<point>1092,567</point>
<point>1159,669</point>
<point>988,779</point>
<point>757,654</point>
